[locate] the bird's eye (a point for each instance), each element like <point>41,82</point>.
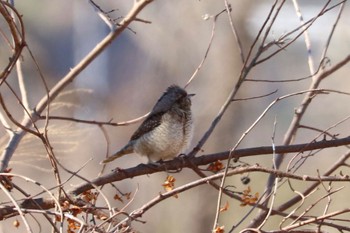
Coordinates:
<point>184,101</point>
<point>179,100</point>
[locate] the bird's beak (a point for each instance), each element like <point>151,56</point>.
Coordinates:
<point>191,95</point>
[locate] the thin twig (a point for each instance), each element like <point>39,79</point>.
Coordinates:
<point>333,168</point>
<point>239,142</point>
<point>321,66</point>
<point>300,111</point>
<point>9,195</point>
<point>65,81</point>
<point>21,83</point>
<point>9,115</point>
<point>273,194</point>
<point>139,212</point>
<point>207,51</point>
<point>306,36</point>
<point>341,9</point>
<point>234,30</point>
<point>94,122</point>
<point>282,48</point>
<point>316,219</point>
<point>256,97</point>
<point>18,37</point>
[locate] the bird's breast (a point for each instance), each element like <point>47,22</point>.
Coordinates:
<point>168,139</point>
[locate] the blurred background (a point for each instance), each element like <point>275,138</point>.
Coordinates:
<point>126,80</point>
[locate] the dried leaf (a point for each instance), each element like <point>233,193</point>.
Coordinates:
<point>75,210</point>
<point>118,198</point>
<point>247,198</point>
<point>73,225</point>
<point>127,195</point>
<point>219,229</point>
<point>16,223</point>
<point>225,207</point>
<point>216,166</point>
<point>169,184</point>
<point>89,196</point>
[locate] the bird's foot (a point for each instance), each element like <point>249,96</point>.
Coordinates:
<point>153,165</point>
<point>182,157</point>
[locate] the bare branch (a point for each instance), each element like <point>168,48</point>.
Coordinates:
<point>65,81</point>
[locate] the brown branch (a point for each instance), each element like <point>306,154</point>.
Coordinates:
<point>341,161</point>
<point>94,122</point>
<point>65,81</point>
<point>304,27</point>
<point>17,36</point>
<point>46,203</point>
<point>13,120</point>
<point>138,6</point>
<point>207,50</point>
<point>234,30</point>
<point>256,97</point>
<point>142,169</point>
<point>299,113</point>
<point>316,219</point>
<point>203,160</point>
<point>331,34</point>
<point>321,66</point>
<point>255,168</point>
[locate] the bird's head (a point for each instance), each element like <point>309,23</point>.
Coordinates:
<point>173,96</point>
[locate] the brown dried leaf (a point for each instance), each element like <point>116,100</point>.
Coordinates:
<point>16,223</point>
<point>219,229</point>
<point>216,166</point>
<point>225,207</point>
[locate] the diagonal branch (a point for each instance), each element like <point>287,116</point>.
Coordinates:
<point>65,81</point>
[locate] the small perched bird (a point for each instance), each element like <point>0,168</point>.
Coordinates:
<point>166,132</point>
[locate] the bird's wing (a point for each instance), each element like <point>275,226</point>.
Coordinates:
<point>148,125</point>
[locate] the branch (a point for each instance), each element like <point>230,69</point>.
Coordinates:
<point>316,219</point>
<point>65,81</point>
<point>48,203</point>
<point>17,37</point>
<point>178,163</point>
<point>299,113</point>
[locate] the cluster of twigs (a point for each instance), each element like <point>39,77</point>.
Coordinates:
<point>62,209</point>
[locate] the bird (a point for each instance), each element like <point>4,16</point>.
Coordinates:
<point>167,130</point>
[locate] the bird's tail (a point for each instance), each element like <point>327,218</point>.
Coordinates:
<point>124,151</point>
